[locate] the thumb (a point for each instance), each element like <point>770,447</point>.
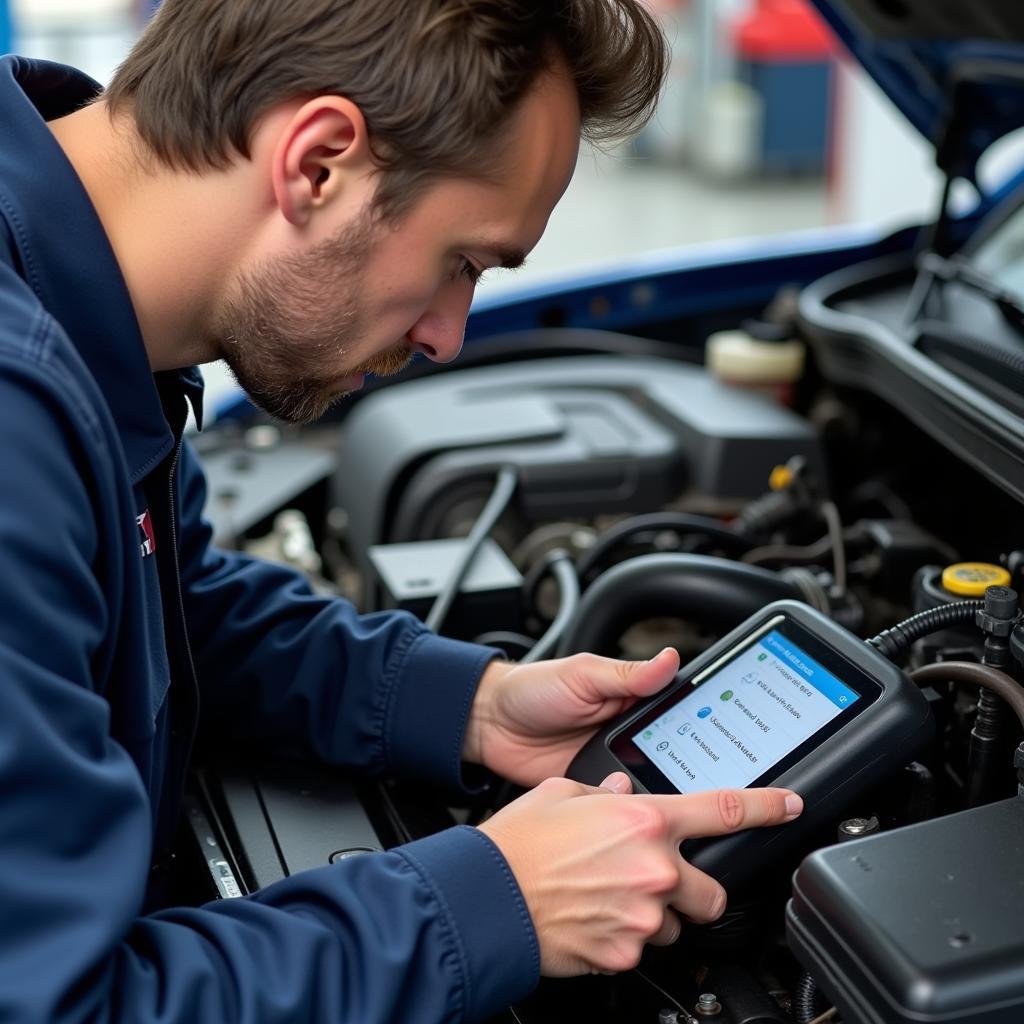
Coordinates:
<point>609,678</point>
<point>618,782</point>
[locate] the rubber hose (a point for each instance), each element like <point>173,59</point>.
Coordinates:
<point>808,1003</point>
<point>569,588</point>
<point>731,541</point>
<point>895,642</point>
<point>712,592</point>
<point>972,673</point>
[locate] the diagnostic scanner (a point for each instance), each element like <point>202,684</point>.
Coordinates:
<point>787,699</point>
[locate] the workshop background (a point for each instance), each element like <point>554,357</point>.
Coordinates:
<point>766,128</point>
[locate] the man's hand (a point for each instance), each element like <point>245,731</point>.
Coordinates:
<point>601,873</point>
<point>529,721</point>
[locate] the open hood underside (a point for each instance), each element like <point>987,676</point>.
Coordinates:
<point>923,53</point>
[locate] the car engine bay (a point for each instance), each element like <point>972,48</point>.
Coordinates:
<point>567,489</point>
<point>682,505</point>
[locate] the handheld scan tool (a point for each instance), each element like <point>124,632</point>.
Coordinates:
<point>788,699</point>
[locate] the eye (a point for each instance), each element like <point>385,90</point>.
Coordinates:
<point>469,270</point>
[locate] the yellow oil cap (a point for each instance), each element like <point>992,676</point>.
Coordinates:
<point>972,579</point>
<point>781,477</point>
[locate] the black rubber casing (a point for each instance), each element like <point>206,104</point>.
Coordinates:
<point>878,741</point>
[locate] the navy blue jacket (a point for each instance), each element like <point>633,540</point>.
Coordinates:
<point>119,620</point>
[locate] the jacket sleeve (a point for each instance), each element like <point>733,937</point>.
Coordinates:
<point>433,932</point>
<point>280,665</point>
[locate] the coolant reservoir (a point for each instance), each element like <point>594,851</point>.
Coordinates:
<point>936,585</point>
<point>758,356</point>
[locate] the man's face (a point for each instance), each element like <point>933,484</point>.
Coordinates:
<point>302,327</point>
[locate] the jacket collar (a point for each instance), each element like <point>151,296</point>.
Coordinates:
<point>67,260</point>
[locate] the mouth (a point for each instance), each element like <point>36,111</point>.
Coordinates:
<point>389,362</point>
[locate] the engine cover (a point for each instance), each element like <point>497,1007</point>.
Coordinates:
<point>588,435</point>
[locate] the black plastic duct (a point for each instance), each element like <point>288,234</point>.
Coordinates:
<point>711,592</point>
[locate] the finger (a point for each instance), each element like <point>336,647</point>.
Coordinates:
<point>567,789</point>
<point>669,931</point>
<point>698,897</point>
<point>556,788</point>
<point>618,782</point>
<point>606,678</point>
<point>721,811</point>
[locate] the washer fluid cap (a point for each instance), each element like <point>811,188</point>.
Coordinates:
<point>972,579</point>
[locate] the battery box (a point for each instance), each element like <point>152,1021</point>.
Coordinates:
<point>410,577</point>
<point>921,925</point>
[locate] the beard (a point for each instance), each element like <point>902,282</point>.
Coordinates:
<point>288,331</point>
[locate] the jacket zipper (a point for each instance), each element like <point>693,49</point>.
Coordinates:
<point>173,521</point>
<point>181,744</point>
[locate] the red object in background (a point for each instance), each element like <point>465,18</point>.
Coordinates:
<point>783,30</point>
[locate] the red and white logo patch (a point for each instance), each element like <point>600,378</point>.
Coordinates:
<point>147,538</point>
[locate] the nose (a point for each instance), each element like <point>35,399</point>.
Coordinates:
<point>439,333</point>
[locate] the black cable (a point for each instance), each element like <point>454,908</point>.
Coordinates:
<point>496,505</point>
<point>731,541</point>
<point>537,572</point>
<point>558,563</point>
<point>713,592</point>
<point>895,642</point>
<point>561,567</point>
<point>835,533</point>
<point>790,554</point>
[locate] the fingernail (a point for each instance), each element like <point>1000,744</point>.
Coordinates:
<point>659,654</point>
<point>617,782</point>
<point>718,909</point>
<point>794,805</point>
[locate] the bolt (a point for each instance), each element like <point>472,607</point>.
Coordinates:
<point>708,1005</point>
<point>855,828</point>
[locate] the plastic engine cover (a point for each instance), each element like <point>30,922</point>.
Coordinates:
<point>922,924</point>
<point>589,435</point>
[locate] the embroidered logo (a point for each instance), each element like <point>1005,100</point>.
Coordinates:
<point>147,538</point>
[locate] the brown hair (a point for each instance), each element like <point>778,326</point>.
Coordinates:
<point>436,80</point>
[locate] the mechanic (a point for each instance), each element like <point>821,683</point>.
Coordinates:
<point>310,192</point>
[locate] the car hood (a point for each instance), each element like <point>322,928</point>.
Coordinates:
<point>923,53</point>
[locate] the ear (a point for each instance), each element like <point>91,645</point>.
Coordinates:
<point>323,146</point>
